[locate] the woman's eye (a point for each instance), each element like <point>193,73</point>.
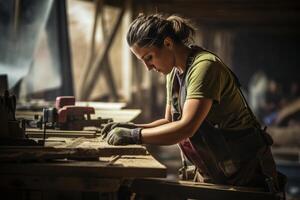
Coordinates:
<point>148,58</point>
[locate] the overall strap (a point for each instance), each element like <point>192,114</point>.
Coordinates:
<point>177,83</point>
<point>239,85</point>
<point>208,149</point>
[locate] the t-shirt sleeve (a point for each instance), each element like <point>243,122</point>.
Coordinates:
<point>205,80</point>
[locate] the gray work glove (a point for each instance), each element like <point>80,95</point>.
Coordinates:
<point>110,126</point>
<point>124,136</point>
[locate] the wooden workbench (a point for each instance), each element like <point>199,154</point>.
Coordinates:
<point>106,174</point>
<point>115,166</point>
<point>133,165</point>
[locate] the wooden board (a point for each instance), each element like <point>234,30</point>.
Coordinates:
<point>38,133</point>
<point>114,167</point>
<point>69,148</point>
<point>100,145</point>
<point>102,105</point>
<point>105,174</point>
<point>123,115</point>
<point>285,136</point>
<point>286,154</point>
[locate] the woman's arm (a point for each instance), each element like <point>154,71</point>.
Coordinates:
<point>194,112</point>
<point>159,122</point>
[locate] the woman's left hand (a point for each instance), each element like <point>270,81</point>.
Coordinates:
<point>110,126</point>
<point>124,136</point>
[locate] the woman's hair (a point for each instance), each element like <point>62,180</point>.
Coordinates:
<point>151,30</point>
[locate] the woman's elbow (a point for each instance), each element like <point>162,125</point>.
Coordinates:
<point>189,128</point>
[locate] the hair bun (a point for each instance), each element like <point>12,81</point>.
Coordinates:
<point>182,28</point>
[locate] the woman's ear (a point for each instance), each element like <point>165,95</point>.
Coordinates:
<point>168,42</point>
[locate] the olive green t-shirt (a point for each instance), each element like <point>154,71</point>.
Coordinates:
<point>208,77</point>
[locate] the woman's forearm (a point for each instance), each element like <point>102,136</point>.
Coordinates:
<point>166,134</point>
<point>194,112</point>
<point>154,124</point>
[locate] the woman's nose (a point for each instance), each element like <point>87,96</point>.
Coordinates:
<point>149,66</point>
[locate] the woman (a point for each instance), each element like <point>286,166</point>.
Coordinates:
<point>205,112</point>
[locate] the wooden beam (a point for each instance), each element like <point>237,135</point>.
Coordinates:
<point>127,166</point>
<point>107,65</point>
<point>89,83</point>
<point>70,148</point>
<point>38,133</point>
<point>291,154</point>
<point>127,55</point>
<point>98,4</point>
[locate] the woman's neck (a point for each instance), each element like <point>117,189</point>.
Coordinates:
<point>181,54</point>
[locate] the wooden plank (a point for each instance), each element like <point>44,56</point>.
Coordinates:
<point>125,167</point>
<point>44,155</point>
<point>21,182</point>
<point>75,143</point>
<point>108,150</point>
<point>286,153</point>
<point>38,133</point>
<point>78,149</point>
<point>287,112</point>
<point>65,132</point>
<point>285,136</point>
<point>103,148</point>
<point>102,105</point>
<point>184,189</point>
<point>123,115</point>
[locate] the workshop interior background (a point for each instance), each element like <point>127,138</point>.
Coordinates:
<point>50,49</point>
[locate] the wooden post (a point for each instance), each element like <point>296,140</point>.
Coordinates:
<point>88,84</point>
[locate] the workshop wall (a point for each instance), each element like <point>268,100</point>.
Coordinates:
<point>81,18</point>
<point>232,29</point>
<point>247,35</point>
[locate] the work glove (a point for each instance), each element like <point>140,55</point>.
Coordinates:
<point>110,126</point>
<point>124,136</point>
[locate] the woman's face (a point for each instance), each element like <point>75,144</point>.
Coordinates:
<point>159,59</point>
